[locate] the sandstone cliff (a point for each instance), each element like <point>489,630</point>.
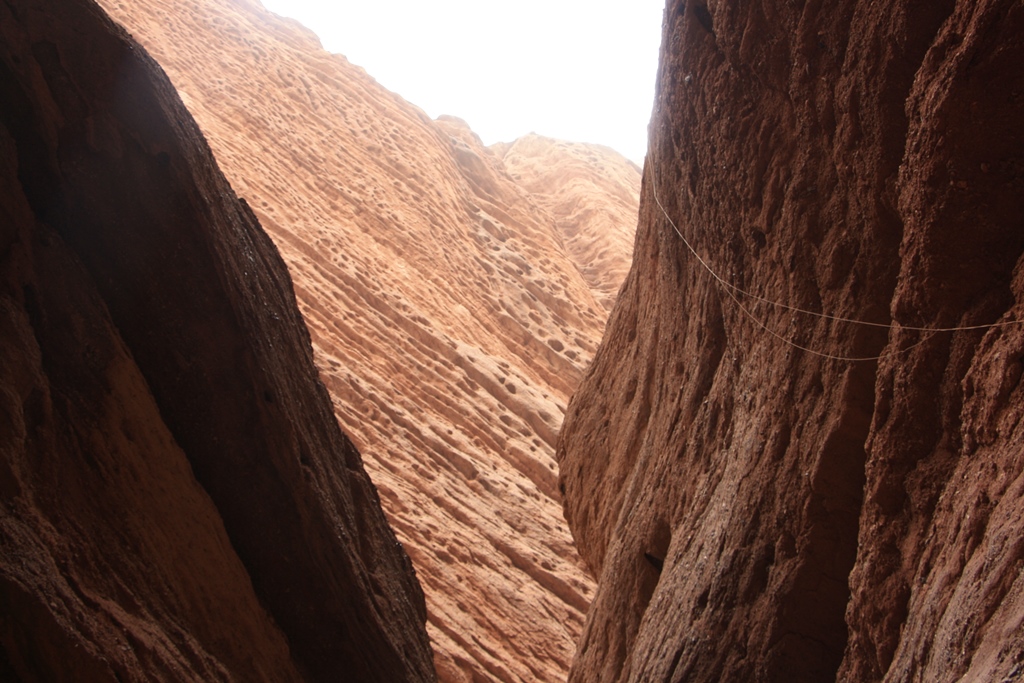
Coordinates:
<point>176,499</point>
<point>452,308</point>
<point>757,505</point>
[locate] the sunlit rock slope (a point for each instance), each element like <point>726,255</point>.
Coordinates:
<point>177,502</point>
<point>759,504</point>
<point>593,197</point>
<point>452,308</point>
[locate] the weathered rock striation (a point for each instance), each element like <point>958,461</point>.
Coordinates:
<point>450,316</point>
<point>757,504</point>
<point>177,501</point>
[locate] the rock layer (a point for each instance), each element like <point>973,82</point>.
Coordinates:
<point>177,501</point>
<point>757,504</point>
<point>449,317</point>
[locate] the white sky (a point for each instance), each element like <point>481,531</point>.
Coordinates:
<point>580,70</point>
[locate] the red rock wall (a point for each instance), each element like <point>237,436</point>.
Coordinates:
<point>759,511</point>
<point>176,499</point>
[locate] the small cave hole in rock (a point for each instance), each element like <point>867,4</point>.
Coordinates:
<point>704,17</point>
<point>654,551</point>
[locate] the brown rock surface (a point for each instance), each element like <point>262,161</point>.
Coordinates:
<point>449,318</point>
<point>760,512</point>
<point>176,499</point>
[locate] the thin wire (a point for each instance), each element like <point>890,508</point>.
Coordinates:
<point>732,290</point>
<point>821,354</point>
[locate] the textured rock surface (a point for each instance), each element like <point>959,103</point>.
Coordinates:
<point>758,512</point>
<point>176,499</point>
<point>593,197</point>
<point>449,317</point>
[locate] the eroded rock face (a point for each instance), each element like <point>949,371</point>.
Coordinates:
<point>593,197</point>
<point>759,511</point>
<point>177,501</point>
<point>449,314</point>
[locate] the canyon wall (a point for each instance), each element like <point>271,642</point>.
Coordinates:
<point>775,472</point>
<point>177,501</point>
<point>454,294</point>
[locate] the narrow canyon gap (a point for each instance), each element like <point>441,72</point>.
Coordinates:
<point>172,469</point>
<point>454,292</point>
<point>759,512</point>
